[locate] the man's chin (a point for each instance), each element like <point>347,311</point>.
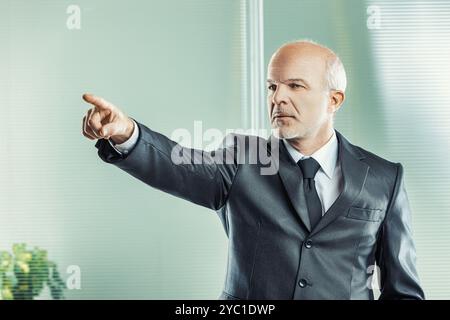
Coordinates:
<point>284,133</point>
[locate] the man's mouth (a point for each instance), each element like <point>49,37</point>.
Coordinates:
<point>281,116</point>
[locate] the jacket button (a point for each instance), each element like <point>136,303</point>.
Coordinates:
<point>308,244</point>
<point>302,283</point>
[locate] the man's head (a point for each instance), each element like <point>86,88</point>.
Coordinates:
<point>306,86</point>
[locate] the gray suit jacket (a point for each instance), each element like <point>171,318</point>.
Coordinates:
<point>273,253</point>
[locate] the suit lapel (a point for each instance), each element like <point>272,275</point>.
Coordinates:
<point>354,174</point>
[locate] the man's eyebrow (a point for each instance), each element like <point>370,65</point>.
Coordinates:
<point>289,80</point>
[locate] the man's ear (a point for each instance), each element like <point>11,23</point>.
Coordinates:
<point>337,98</point>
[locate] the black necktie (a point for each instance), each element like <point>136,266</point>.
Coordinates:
<point>309,169</point>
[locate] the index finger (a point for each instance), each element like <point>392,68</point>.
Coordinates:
<point>98,102</point>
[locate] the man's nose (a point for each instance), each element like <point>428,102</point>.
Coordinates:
<point>279,95</point>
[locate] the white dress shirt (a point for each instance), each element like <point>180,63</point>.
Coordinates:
<point>328,180</point>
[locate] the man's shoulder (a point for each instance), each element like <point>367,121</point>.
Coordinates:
<point>375,158</point>
<point>367,156</point>
<point>241,140</point>
<point>379,165</point>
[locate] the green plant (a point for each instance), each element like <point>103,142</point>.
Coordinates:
<point>25,273</point>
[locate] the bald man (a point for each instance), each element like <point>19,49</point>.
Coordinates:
<point>315,228</point>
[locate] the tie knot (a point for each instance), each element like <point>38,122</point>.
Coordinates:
<point>309,167</point>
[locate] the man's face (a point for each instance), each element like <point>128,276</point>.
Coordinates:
<point>297,97</point>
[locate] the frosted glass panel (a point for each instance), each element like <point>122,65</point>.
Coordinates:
<point>165,63</point>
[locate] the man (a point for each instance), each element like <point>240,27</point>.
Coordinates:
<point>313,230</point>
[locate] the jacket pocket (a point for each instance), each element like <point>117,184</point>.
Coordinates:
<point>365,214</point>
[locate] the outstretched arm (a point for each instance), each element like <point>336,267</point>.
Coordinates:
<point>198,176</point>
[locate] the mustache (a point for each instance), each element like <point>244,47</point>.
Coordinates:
<point>280,113</point>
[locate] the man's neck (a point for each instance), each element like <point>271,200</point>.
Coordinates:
<point>308,145</point>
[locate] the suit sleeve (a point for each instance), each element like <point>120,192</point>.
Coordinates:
<point>396,252</point>
<point>201,177</point>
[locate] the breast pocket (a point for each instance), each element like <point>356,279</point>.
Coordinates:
<point>365,214</point>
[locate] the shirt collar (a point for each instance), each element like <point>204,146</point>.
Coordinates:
<point>326,156</point>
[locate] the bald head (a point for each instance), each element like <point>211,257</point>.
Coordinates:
<point>333,72</point>
<point>306,87</point>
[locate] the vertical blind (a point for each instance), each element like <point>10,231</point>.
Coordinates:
<point>411,49</point>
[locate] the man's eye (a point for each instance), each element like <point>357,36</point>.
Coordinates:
<point>271,87</point>
<point>294,86</point>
